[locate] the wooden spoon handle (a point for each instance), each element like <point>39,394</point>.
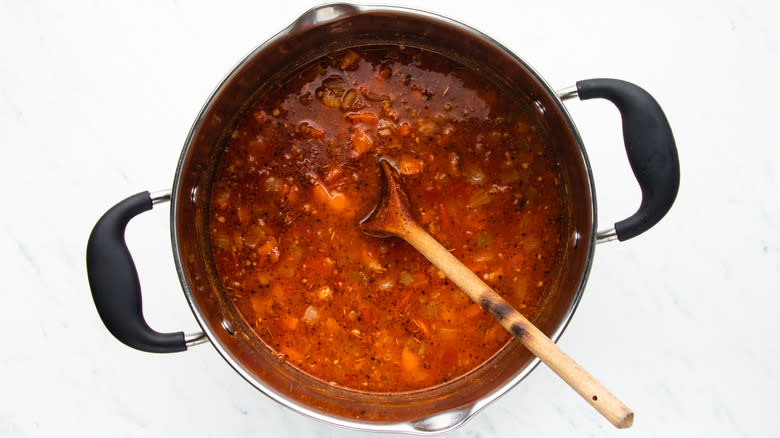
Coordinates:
<point>537,342</point>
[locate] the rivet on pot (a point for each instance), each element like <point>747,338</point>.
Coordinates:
<point>226,325</point>
<point>576,237</point>
<point>194,194</point>
<point>540,107</point>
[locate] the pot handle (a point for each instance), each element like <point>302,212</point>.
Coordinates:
<point>114,282</point>
<point>650,147</point>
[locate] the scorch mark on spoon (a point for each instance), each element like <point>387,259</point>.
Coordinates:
<point>391,217</point>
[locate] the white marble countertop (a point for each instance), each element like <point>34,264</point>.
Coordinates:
<point>96,99</point>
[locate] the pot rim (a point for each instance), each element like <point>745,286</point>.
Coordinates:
<point>431,425</point>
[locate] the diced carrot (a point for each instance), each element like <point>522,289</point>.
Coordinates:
<point>292,192</point>
<point>320,265</point>
<point>410,165</point>
<point>361,141</point>
<point>472,310</point>
<point>338,201</point>
<point>290,322</point>
<point>449,358</point>
<point>243,213</point>
<point>332,326</point>
<point>444,218</point>
<point>410,363</point>
<point>321,193</point>
<point>409,360</point>
<point>277,291</point>
<point>366,118</point>
<point>366,312</point>
<point>292,354</point>
<point>269,249</point>
<point>261,305</point>
<point>332,199</point>
<point>404,129</point>
<point>283,325</point>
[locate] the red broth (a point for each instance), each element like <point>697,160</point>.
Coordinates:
<point>300,171</point>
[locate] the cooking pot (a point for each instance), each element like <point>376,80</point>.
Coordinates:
<point>114,281</point>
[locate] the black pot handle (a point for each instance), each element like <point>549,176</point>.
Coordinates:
<point>114,280</point>
<point>650,146</point>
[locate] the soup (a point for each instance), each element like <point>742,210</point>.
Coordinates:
<point>300,171</point>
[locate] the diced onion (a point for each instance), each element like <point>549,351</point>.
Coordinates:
<point>532,243</point>
<point>374,97</point>
<point>330,99</point>
<point>349,60</point>
<point>311,315</point>
<point>426,126</point>
<point>335,84</point>
<point>349,100</point>
<point>222,198</point>
<point>385,284</point>
<point>405,278</point>
<point>325,292</point>
<point>221,241</point>
<point>273,184</point>
<point>475,175</point>
<point>480,197</point>
<point>253,235</point>
<point>484,256</point>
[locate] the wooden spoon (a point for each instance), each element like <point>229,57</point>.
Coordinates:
<point>391,217</point>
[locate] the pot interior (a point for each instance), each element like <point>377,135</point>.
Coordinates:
<point>322,31</point>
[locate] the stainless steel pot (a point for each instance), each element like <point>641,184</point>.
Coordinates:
<point>114,281</point>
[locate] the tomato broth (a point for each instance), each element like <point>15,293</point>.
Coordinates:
<point>300,171</point>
